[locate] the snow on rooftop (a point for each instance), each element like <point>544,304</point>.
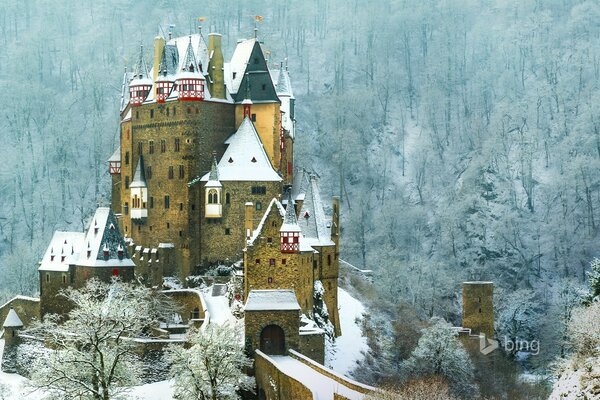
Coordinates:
<point>272,300</point>
<point>116,156</point>
<point>245,158</point>
<point>63,250</point>
<point>261,224</point>
<point>237,66</point>
<point>12,320</point>
<point>102,234</point>
<point>312,220</point>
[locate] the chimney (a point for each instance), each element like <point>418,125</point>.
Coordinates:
<point>159,45</point>
<point>248,219</point>
<point>216,82</point>
<point>478,307</point>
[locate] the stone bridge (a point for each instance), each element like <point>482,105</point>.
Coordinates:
<point>296,377</point>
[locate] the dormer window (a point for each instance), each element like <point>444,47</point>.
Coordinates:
<point>253,159</point>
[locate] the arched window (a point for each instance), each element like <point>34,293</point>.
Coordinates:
<point>227,198</point>
<point>213,197</point>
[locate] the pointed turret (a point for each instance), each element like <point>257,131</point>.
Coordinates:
<point>164,80</point>
<point>140,84</point>
<point>190,81</point>
<point>213,191</point>
<point>139,193</point>
<point>290,230</point>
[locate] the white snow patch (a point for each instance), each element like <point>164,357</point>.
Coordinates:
<point>15,387</point>
<point>343,354</point>
<point>218,307</point>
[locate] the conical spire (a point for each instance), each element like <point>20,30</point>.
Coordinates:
<point>214,169</point>
<point>141,69</point>
<point>162,66</point>
<point>290,223</point>
<point>189,60</point>
<point>139,178</point>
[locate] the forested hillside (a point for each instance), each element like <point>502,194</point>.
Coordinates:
<point>463,136</point>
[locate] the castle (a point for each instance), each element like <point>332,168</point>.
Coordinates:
<point>204,176</point>
<point>205,158</point>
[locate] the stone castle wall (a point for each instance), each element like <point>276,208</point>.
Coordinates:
<point>222,239</point>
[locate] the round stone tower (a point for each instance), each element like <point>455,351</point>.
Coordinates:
<point>12,325</point>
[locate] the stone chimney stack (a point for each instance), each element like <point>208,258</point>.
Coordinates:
<point>159,45</point>
<point>216,82</point>
<point>248,219</point>
<point>478,307</point>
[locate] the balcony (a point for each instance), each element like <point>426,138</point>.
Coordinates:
<point>213,211</point>
<point>139,215</point>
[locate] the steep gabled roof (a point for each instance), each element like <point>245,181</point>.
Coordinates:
<point>103,235</point>
<point>312,219</point>
<point>202,54</point>
<point>63,250</point>
<point>139,177</point>
<point>245,159</point>
<point>257,232</point>
<point>239,61</point>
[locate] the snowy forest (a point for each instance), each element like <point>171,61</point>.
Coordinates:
<point>462,136</point>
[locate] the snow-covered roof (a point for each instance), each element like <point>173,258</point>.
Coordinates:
<point>315,226</point>
<point>139,177</point>
<point>290,223</point>
<point>256,234</point>
<point>272,300</point>
<point>12,320</point>
<point>63,251</point>
<point>245,159</point>
<point>237,66</point>
<point>116,156</point>
<point>103,235</point>
<point>283,85</point>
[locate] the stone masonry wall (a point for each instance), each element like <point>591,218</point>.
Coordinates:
<point>28,309</point>
<point>200,128</point>
<point>256,321</point>
<point>266,267</point>
<point>223,239</point>
<point>272,384</point>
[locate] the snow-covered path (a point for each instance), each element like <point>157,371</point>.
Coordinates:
<point>218,308</point>
<point>321,386</point>
<point>342,356</point>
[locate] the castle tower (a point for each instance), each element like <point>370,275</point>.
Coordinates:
<point>189,81</point>
<point>139,193</point>
<point>478,307</point>
<point>140,85</point>
<point>12,326</point>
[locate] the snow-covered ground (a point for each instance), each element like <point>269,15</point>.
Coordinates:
<point>14,386</point>
<point>342,355</point>
<point>218,307</point>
